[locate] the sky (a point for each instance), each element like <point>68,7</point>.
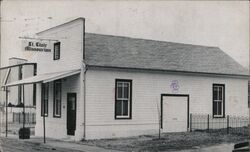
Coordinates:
<point>224,24</point>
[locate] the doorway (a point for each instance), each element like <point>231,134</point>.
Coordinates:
<point>71,113</point>
<point>174,112</point>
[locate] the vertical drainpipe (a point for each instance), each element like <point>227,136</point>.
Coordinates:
<point>84,98</point>
<point>84,81</point>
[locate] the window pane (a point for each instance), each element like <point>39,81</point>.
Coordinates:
<point>57,50</point>
<point>59,107</point>
<point>215,93</point>
<point>219,108</point>
<point>215,108</point>
<point>118,107</point>
<point>58,89</point>
<point>125,108</point>
<point>119,91</point>
<point>55,108</point>
<point>42,107</point>
<point>126,90</point>
<point>44,101</point>
<point>46,91</point>
<point>220,93</point>
<point>46,107</point>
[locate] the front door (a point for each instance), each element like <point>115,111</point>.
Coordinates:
<point>71,113</point>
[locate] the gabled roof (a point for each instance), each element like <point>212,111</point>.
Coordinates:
<point>125,52</point>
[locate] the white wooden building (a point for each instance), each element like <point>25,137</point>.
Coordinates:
<point>93,86</point>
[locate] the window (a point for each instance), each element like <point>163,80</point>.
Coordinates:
<point>248,93</point>
<point>19,95</point>
<point>123,99</point>
<point>57,98</point>
<point>45,99</point>
<point>57,51</point>
<point>218,100</point>
<point>20,72</point>
<point>19,92</point>
<point>34,94</point>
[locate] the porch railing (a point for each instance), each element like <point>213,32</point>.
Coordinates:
<point>18,117</point>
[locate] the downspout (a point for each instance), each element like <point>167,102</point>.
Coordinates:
<point>84,103</point>
<point>84,79</point>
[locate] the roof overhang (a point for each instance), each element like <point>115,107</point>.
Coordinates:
<point>44,78</point>
<point>169,71</point>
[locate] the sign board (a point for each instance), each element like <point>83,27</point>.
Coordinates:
<point>37,46</point>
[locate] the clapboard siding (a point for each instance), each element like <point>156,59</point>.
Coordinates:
<point>56,127</point>
<point>71,38</point>
<point>147,88</point>
<point>71,56</point>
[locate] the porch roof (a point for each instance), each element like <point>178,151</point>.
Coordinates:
<point>43,78</point>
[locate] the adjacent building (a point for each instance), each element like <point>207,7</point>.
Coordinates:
<point>92,86</point>
<point>19,96</point>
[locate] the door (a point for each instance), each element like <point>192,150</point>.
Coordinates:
<point>175,113</point>
<point>71,113</point>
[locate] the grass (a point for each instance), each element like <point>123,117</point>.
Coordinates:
<point>172,141</point>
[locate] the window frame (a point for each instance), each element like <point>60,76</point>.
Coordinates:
<point>43,100</point>
<point>59,51</point>
<point>54,100</point>
<point>129,99</point>
<point>223,101</point>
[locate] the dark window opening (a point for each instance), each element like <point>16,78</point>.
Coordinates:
<point>248,94</point>
<point>57,98</point>
<point>57,48</point>
<point>34,94</point>
<point>20,72</point>
<point>45,99</point>
<point>19,95</point>
<point>19,91</point>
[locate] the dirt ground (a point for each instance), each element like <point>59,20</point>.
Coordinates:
<point>151,143</point>
<point>170,141</point>
<point>15,145</point>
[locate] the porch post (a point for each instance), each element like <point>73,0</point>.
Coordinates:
<point>23,108</point>
<point>44,136</point>
<point>44,133</point>
<point>6,106</point>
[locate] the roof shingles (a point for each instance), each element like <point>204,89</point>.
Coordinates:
<point>124,52</point>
